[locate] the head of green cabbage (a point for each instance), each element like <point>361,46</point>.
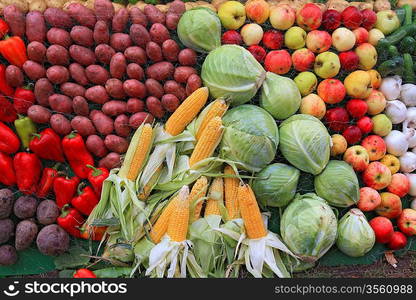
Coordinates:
<point>250,137</point>
<point>305,143</point>
<point>309,227</point>
<point>276,185</point>
<point>338,184</point>
<point>232,72</point>
<point>200,29</point>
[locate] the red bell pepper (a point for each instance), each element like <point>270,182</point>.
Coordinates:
<point>28,169</point>
<point>47,145</point>
<point>85,201</point>
<point>7,174</point>
<point>70,220</point>
<point>95,233</point>
<point>64,189</point>
<point>7,112</point>
<point>23,98</point>
<point>9,142</point>
<point>96,177</point>
<point>13,50</point>
<point>5,88</point>
<point>4,28</point>
<point>46,182</point>
<point>84,273</point>
<point>77,154</point>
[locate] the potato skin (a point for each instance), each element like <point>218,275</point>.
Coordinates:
<point>121,126</point>
<point>104,10</point>
<point>118,65</point>
<point>6,203</point>
<point>136,55</point>
<point>95,145</point>
<point>43,89</point>
<point>80,106</point>
<point>59,36</point>
<point>138,17</point>
<point>34,70</point>
<point>97,74</point>
<point>172,87</point>
<point>60,103</point>
<point>57,55</point>
<point>52,240</point>
<point>82,36</point>
<point>155,107</point>
<point>182,73</point>
<point>60,124</point>
<point>135,71</point>
<point>153,14</point>
<point>170,50</point>
<point>15,19</point>
<point>82,55</point>
<point>114,88</point>
<point>47,212</point>
<point>72,90</point>
<point>194,82</point>
<point>37,52</point>
<point>187,57</point>
<point>172,21</point>
<point>138,118</point>
<point>104,53</point>
<point>154,52</point>
<point>6,230</point>
<point>57,74</point>
<point>135,105</point>
<point>159,33</point>
<point>57,17</point>
<point>139,35</point>
<point>101,33</point>
<point>160,71</point>
<point>8,255</point>
<point>39,114</point>
<point>97,94</point>
<point>110,161</point>
<point>78,74</point>
<point>103,123</point>
<point>120,20</point>
<point>154,88</point>
<point>26,232</point>
<point>120,41</point>
<point>83,126</point>
<point>14,76</point>
<point>114,108</point>
<point>35,26</point>
<point>134,88</point>
<point>25,207</point>
<point>170,102</point>
<point>82,15</point>
<point>116,143</point>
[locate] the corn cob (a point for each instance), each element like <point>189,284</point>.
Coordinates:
<point>186,112</point>
<point>215,197</point>
<point>161,226</point>
<point>137,153</point>
<point>179,219</point>
<point>210,138</point>
<point>198,191</point>
<point>217,109</point>
<point>250,212</point>
<point>147,189</point>
<point>230,193</point>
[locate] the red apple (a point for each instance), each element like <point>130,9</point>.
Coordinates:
<point>407,222</point>
<point>365,124</point>
<point>309,17</point>
<point>337,118</point>
<point>377,176</point>
<point>331,90</point>
<point>258,52</point>
<point>357,108</point>
<point>318,41</point>
<point>331,19</point>
<point>398,241</point>
<point>351,17</point>
<point>390,206</point>
<point>349,60</point>
<point>278,61</point>
<point>369,18</point>
<point>303,59</point>
<point>231,37</point>
<point>383,229</point>
<point>400,185</point>
<point>361,35</point>
<point>369,199</point>
<point>375,146</point>
<point>273,39</point>
<point>357,157</point>
<point>352,134</point>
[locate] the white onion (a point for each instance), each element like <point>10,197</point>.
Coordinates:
<point>410,120</point>
<point>390,87</point>
<point>410,134</point>
<point>408,162</point>
<point>396,111</point>
<point>396,143</point>
<point>412,180</point>
<point>408,94</point>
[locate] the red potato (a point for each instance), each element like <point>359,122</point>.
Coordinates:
<point>160,71</point>
<point>77,73</point>
<point>104,53</point>
<point>60,103</point>
<point>59,36</point>
<point>103,123</point>
<point>43,89</point>
<point>114,88</point>
<point>139,35</point>
<point>33,70</point>
<point>134,88</point>
<point>120,20</point>
<point>159,33</point>
<point>138,118</point>
<point>97,74</point>
<point>57,74</point>
<point>136,55</point>
<point>155,107</point>
<point>14,76</point>
<point>95,145</point>
<point>120,41</point>
<point>80,106</point>
<point>101,33</point>
<point>182,73</point>
<point>172,87</point>
<point>118,65</point>
<point>172,21</point>
<point>82,36</point>
<point>82,55</point>
<point>60,124</point>
<point>170,102</point>
<point>39,114</point>
<point>57,55</point>
<point>97,94</point>
<point>121,126</point>
<point>111,161</point>
<point>134,71</point>
<point>170,50</point>
<point>187,57</point>
<point>194,82</point>
<point>138,17</point>
<point>15,19</point>
<point>35,26</point>
<point>83,126</point>
<point>57,17</point>
<point>154,88</point>
<point>104,10</point>
<point>114,108</point>
<point>116,143</point>
<point>135,105</point>
<point>82,15</point>
<point>72,90</point>
<point>177,7</point>
<point>153,14</point>
<point>154,52</point>
<point>37,52</point>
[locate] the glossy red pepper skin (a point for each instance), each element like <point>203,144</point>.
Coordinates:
<point>28,168</point>
<point>7,173</point>
<point>84,273</point>
<point>77,155</point>
<point>95,233</point>
<point>5,88</point>
<point>64,189</point>
<point>70,220</point>
<point>96,177</point>
<point>46,182</point>
<point>4,28</point>
<point>85,201</point>
<point>13,49</point>
<point>9,142</point>
<point>23,98</point>
<point>7,112</point>
<point>47,145</point>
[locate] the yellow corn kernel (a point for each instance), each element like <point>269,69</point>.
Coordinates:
<point>179,219</point>
<point>161,226</point>
<point>198,191</point>
<point>250,212</point>
<point>230,193</point>
<point>187,111</point>
<point>215,197</point>
<point>147,189</point>
<point>217,109</point>
<point>208,142</point>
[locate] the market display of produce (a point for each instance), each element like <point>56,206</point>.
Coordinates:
<point>205,139</point>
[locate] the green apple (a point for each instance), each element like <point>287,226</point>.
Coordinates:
<point>387,21</point>
<point>295,38</point>
<point>367,55</point>
<point>232,14</point>
<point>382,125</point>
<point>327,65</point>
<point>306,82</point>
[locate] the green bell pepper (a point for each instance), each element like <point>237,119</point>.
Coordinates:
<point>25,129</point>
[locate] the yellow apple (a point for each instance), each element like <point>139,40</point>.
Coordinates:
<point>374,35</point>
<point>251,34</point>
<point>282,16</point>
<point>367,55</point>
<point>313,105</point>
<point>327,65</point>
<point>232,14</point>
<point>306,82</point>
<point>339,145</point>
<point>358,84</point>
<point>295,38</point>
<point>343,39</point>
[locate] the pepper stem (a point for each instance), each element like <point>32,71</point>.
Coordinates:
<point>95,171</point>
<point>81,186</point>
<point>72,135</point>
<point>36,135</point>
<point>56,166</point>
<point>65,210</point>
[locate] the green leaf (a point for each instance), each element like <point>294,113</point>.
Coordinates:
<point>66,273</point>
<point>114,272</point>
<point>76,256</point>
